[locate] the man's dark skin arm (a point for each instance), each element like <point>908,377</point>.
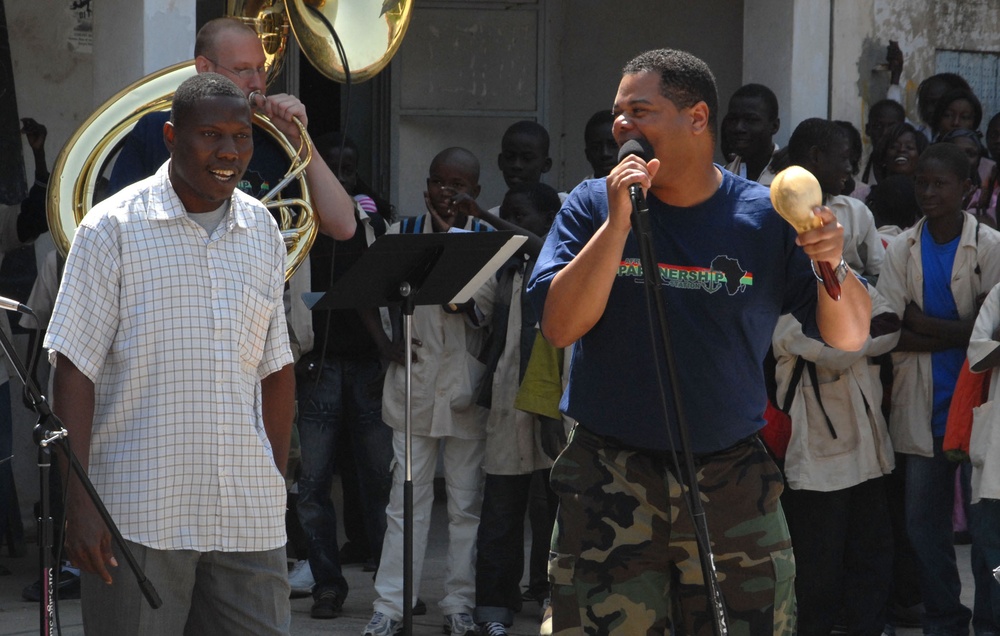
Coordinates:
<point>278,400</point>
<point>894,61</point>
<point>470,207</point>
<point>87,539</point>
<point>32,221</point>
<point>921,332</point>
<point>389,350</point>
<point>553,436</point>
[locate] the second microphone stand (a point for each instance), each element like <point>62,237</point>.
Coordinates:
<point>48,433</point>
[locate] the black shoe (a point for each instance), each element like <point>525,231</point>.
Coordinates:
<point>419,608</point>
<point>351,553</point>
<point>68,588</point>
<point>906,616</point>
<point>328,604</point>
<point>535,595</point>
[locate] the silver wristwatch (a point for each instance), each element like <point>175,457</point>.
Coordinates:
<point>840,271</point>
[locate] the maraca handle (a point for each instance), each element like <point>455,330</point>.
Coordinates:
<point>830,281</point>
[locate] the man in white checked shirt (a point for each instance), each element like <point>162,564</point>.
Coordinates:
<point>174,380</point>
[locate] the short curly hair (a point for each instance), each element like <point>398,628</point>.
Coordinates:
<point>684,79</point>
<point>202,86</point>
<point>951,156</point>
<point>821,133</point>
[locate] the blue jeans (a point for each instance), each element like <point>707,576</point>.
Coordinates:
<point>985,524</point>
<point>347,396</point>
<point>500,548</point>
<point>930,497</point>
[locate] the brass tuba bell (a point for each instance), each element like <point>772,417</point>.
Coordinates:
<point>85,157</point>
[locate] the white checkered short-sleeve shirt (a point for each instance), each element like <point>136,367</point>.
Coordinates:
<point>176,330</point>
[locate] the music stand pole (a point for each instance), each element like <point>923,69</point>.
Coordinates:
<point>46,437</point>
<point>416,269</point>
<point>406,292</point>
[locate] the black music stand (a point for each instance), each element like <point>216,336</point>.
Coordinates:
<point>49,432</point>
<point>410,270</point>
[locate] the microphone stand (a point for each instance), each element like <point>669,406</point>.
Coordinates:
<point>49,432</point>
<point>654,295</point>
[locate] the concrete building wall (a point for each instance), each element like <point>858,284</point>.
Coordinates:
<point>597,38</point>
<point>133,38</point>
<point>54,77</point>
<point>863,29</point>
<point>786,46</point>
<point>564,65</point>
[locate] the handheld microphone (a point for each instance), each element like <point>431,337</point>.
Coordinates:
<point>12,305</point>
<point>642,149</point>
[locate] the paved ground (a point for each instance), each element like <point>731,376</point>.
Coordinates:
<point>18,617</point>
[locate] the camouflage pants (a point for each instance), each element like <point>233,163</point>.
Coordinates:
<point>624,556</point>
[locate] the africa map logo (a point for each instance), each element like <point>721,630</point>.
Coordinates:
<point>724,272</point>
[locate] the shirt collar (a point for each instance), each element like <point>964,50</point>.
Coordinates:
<point>164,203</point>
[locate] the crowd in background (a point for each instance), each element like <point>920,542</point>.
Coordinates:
<point>885,467</point>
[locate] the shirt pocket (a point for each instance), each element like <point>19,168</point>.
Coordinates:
<point>836,415</point>
<point>253,330</point>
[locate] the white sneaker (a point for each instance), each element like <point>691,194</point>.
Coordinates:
<point>382,625</point>
<point>459,624</point>
<point>493,629</point>
<point>546,617</point>
<point>300,578</point>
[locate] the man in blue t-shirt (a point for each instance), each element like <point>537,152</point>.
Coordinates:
<point>623,552</point>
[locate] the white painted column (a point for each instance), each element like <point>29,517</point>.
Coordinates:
<point>786,47</point>
<point>133,38</point>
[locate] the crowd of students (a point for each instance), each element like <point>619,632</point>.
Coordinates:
<point>876,492</point>
<point>485,398</point>
<point>875,464</point>
<point>870,492</point>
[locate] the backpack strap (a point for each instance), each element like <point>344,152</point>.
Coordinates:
<point>412,225</point>
<point>800,364</point>
<point>815,382</point>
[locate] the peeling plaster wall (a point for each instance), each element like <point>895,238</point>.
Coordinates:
<point>52,79</point>
<point>863,28</point>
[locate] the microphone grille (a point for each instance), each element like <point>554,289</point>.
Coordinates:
<point>638,147</point>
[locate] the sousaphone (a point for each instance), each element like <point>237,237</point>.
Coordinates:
<point>365,32</point>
